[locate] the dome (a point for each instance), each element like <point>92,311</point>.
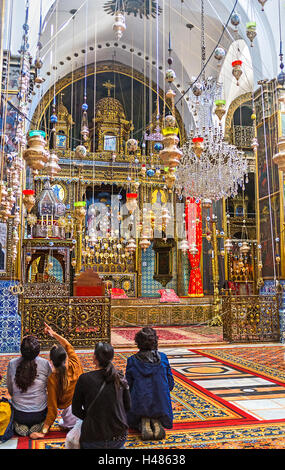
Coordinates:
<point>110,108</point>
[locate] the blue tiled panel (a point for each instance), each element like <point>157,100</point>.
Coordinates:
<point>186,272</point>
<point>149,285</point>
<point>269,289</point>
<point>10,321</point>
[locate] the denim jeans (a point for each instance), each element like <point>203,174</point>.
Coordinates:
<point>103,445</point>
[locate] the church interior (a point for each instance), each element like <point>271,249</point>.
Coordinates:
<point>142,184</point>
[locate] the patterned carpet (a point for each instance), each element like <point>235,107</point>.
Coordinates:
<point>195,335</point>
<point>202,418</point>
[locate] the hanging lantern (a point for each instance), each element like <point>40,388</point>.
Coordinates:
<point>165,217</point>
<point>119,26</point>
<point>245,248</point>
<point>279,158</point>
<point>35,155</point>
<point>170,75</point>
<point>170,154</point>
<point>132,145</point>
<point>84,122</point>
<point>262,3</point>
<point>170,94</point>
<point>80,211</point>
<point>197,89</point>
<point>193,250</point>
<point>228,245</point>
<point>219,55</point>
<point>235,20</point>
<point>52,168</point>
<point>145,242</point>
<point>170,178</point>
<point>220,109</point>
<point>131,202</point>
<point>251,31</point>
<point>184,246</point>
<point>131,246</point>
<point>237,71</point>
<point>80,151</point>
<point>28,258</point>
<point>254,144</point>
<point>29,199</point>
<point>198,145</point>
<point>206,203</point>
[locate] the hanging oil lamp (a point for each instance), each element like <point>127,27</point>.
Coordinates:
<point>131,202</point>
<point>235,21</point>
<point>29,199</point>
<point>220,108</point>
<point>251,31</point>
<point>262,3</point>
<point>193,250</point>
<point>219,55</point>
<point>228,245</point>
<point>132,145</point>
<point>36,155</point>
<point>131,246</point>
<point>144,243</point>
<point>237,71</point>
<point>80,211</point>
<point>198,146</point>
<point>184,246</point>
<point>206,203</point>
<point>245,248</point>
<point>84,122</point>
<point>279,158</point>
<point>119,26</point>
<point>52,168</point>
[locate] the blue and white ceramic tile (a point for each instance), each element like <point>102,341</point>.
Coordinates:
<point>10,321</point>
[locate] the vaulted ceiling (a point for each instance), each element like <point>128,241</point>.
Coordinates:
<point>79,32</point>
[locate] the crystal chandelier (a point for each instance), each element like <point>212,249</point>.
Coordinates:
<point>210,168</point>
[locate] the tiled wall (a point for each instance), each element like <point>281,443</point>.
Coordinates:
<point>10,321</point>
<point>149,285</point>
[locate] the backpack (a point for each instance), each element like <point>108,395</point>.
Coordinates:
<point>6,420</point>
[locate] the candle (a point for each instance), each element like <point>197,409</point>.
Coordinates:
<point>42,220</point>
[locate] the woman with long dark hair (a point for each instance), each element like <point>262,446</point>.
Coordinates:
<point>61,383</point>
<point>27,378</point>
<point>101,399</point>
<point>150,380</point>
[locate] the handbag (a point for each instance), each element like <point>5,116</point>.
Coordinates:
<point>6,420</point>
<point>73,436</point>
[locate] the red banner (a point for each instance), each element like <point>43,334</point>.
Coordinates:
<point>193,221</point>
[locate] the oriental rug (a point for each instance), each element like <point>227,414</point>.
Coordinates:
<point>195,335</point>
<point>203,418</point>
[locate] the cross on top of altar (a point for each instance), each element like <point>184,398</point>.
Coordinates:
<point>109,86</point>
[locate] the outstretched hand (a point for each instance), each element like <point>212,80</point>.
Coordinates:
<point>37,435</point>
<point>48,330</point>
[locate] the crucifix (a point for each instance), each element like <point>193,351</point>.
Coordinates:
<point>109,86</point>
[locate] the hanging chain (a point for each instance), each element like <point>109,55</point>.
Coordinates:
<point>203,47</point>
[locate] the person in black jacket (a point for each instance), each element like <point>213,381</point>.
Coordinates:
<point>104,421</point>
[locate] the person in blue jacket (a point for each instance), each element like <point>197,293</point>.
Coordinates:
<point>150,380</point>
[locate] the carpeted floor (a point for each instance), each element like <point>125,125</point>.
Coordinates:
<point>213,390</point>
<point>171,336</point>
